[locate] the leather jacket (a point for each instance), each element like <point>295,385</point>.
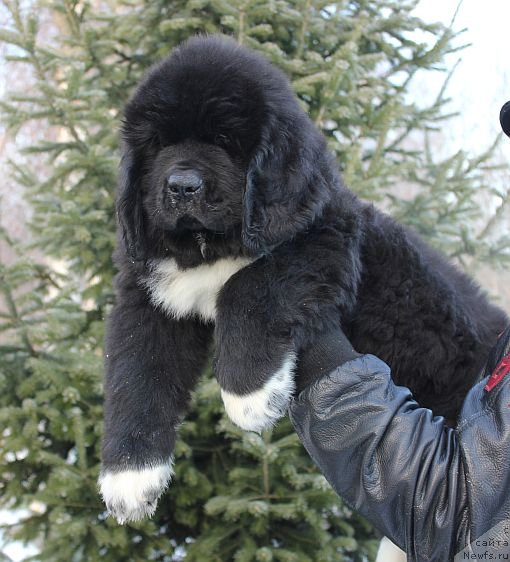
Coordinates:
<point>433,490</point>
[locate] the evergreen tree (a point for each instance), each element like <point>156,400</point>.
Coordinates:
<point>235,496</point>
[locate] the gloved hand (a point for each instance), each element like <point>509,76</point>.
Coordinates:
<point>504,118</point>
<point>327,353</point>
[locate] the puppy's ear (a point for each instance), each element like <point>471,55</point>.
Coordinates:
<point>289,181</point>
<point>129,205</point>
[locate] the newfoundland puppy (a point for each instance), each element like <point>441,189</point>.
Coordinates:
<point>235,227</point>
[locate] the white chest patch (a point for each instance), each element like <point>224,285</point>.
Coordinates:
<point>193,291</point>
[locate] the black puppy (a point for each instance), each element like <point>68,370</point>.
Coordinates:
<point>234,223</point>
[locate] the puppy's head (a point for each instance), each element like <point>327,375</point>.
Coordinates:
<point>215,141</point>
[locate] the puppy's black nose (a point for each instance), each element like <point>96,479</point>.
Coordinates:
<point>184,183</point>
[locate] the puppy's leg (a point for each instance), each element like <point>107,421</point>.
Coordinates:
<point>152,364</point>
<point>265,314</point>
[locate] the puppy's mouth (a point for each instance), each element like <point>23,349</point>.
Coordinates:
<point>187,223</point>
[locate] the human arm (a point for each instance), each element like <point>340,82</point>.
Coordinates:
<point>429,488</point>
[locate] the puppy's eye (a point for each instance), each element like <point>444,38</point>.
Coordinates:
<point>221,140</point>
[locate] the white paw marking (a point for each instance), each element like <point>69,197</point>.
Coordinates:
<point>264,407</point>
<point>389,552</point>
<point>131,495</point>
<point>193,291</point>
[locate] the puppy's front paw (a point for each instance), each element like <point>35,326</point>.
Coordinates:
<point>264,407</point>
<point>131,495</point>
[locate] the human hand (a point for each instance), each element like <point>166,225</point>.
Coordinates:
<point>327,353</point>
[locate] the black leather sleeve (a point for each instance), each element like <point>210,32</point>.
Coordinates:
<point>391,460</point>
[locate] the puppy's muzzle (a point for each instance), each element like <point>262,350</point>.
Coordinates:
<point>184,183</point>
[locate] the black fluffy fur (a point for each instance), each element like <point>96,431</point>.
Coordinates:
<point>322,257</point>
